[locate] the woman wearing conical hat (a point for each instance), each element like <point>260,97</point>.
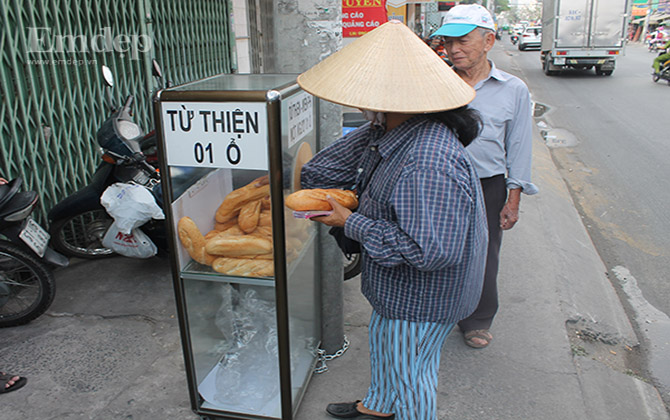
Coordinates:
<point>420,223</point>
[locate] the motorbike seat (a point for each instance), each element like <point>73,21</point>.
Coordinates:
<point>19,202</point>
<point>9,190</point>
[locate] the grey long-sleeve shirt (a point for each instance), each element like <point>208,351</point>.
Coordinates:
<point>505,144</point>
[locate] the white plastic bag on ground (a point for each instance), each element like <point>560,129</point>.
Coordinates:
<point>135,244</point>
<point>130,205</point>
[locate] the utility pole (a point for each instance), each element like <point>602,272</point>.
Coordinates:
<point>645,27</point>
<point>307,31</point>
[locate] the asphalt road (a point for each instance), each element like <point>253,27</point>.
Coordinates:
<point>610,138</point>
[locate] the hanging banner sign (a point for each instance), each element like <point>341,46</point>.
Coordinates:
<point>300,117</point>
<point>396,13</point>
<point>216,134</point>
<point>361,16</point>
<point>639,10</point>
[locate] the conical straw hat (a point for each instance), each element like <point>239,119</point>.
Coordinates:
<point>389,69</point>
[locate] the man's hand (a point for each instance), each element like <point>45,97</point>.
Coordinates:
<point>510,211</point>
<point>508,217</point>
<point>2,181</point>
<point>338,217</point>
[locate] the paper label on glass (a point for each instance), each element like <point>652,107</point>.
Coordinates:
<point>300,117</point>
<point>216,134</point>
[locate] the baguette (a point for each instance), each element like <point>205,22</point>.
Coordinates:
<point>225,226</point>
<point>211,234</point>
<point>249,216</point>
<point>233,231</point>
<point>315,199</point>
<point>233,246</point>
<point>244,267</point>
<point>234,201</point>
<point>193,241</point>
<point>263,232</point>
<point>265,218</point>
<point>269,256</point>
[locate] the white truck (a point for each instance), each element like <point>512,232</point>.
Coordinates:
<point>583,34</point>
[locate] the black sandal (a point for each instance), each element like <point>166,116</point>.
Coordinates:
<point>349,411</point>
<point>6,378</point>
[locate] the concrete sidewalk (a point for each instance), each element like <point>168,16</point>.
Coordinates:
<point>561,337</point>
<point>109,346</point>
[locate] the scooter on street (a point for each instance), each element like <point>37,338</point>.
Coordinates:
<point>79,222</point>
<point>514,38</point>
<point>656,45</point>
<point>663,74</point>
<point>27,286</point>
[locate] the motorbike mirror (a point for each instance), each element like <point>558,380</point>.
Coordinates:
<point>108,76</point>
<point>156,69</point>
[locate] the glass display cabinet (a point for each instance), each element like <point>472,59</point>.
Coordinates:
<point>245,270</point>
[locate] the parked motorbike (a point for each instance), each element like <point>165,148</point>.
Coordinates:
<point>79,222</point>
<point>664,72</point>
<point>27,286</point>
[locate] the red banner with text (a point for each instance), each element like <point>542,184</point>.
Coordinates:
<point>361,16</point>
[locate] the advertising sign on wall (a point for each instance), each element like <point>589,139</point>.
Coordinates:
<point>397,13</point>
<point>361,16</point>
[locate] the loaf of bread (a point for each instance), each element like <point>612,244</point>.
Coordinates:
<point>249,216</point>
<point>234,201</point>
<point>265,218</point>
<point>225,226</point>
<point>233,246</point>
<point>244,267</point>
<point>211,234</point>
<point>193,241</point>
<point>257,257</point>
<point>263,231</point>
<point>233,231</point>
<point>315,199</point>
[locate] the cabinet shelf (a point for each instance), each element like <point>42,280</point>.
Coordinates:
<point>197,271</point>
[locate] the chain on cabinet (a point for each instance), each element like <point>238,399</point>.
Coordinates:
<point>244,269</point>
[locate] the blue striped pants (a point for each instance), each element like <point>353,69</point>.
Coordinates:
<point>404,361</point>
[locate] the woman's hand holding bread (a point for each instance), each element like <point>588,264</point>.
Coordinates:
<point>315,199</point>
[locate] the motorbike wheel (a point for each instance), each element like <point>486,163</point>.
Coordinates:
<point>27,287</point>
<point>352,265</point>
<point>80,236</point>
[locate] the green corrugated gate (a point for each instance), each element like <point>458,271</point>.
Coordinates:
<point>51,91</point>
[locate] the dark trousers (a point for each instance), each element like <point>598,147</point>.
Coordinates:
<point>495,195</point>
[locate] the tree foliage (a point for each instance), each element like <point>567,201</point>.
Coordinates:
<point>501,6</point>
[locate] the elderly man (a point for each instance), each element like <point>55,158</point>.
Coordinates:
<point>420,222</point>
<point>501,153</point>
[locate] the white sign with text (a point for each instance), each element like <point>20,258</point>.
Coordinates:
<point>300,117</point>
<point>216,134</point>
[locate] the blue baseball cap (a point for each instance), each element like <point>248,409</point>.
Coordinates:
<point>462,19</point>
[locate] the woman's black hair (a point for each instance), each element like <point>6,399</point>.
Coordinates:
<point>465,122</point>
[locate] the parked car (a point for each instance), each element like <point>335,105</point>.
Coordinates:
<point>515,29</point>
<point>531,37</point>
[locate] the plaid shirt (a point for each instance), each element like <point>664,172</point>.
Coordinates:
<point>421,219</point>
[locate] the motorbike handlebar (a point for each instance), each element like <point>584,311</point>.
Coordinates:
<point>129,102</point>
